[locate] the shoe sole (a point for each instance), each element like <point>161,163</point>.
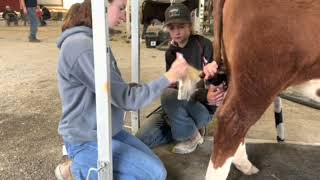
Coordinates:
<point>58,174</point>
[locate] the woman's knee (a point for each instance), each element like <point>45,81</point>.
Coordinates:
<point>169,94</point>
<point>156,169</point>
<point>80,171</point>
<point>140,167</point>
<point>169,99</point>
<point>83,158</point>
<point>161,174</point>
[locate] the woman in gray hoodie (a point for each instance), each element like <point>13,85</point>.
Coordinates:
<point>131,158</point>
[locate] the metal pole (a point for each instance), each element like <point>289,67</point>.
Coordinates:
<point>135,57</point>
<point>199,18</point>
<point>102,86</point>
<point>278,119</point>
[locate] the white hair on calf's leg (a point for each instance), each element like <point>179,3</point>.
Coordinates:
<point>219,173</point>
<point>242,162</point>
<point>187,85</point>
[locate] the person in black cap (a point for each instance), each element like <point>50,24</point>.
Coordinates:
<point>180,120</point>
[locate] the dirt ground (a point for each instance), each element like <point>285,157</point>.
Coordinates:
<point>30,146</point>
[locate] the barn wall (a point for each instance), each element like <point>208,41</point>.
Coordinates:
<point>14,4</point>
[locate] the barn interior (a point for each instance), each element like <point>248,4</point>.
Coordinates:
<point>30,111</point>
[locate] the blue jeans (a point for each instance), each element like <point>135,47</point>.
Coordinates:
<point>33,20</point>
<point>132,160</point>
<point>184,117</point>
<point>155,131</point>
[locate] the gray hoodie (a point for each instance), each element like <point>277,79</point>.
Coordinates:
<point>77,89</point>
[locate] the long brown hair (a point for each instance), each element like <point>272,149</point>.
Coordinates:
<point>79,14</point>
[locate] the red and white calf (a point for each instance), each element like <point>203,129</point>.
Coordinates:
<point>268,46</point>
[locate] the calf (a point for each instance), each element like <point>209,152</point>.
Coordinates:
<point>268,45</point>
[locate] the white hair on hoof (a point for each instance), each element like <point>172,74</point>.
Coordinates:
<point>241,161</point>
<point>219,173</point>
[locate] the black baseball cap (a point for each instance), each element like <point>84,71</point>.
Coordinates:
<point>177,13</point>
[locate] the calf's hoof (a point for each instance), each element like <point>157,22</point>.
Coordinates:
<point>248,171</point>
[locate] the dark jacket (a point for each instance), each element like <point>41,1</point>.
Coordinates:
<point>31,3</point>
<point>197,48</point>
<point>46,13</point>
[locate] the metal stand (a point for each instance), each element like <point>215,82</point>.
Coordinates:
<point>135,57</point>
<point>101,48</point>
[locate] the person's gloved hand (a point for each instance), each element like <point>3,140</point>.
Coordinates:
<point>215,95</point>
<point>178,69</point>
<point>209,70</point>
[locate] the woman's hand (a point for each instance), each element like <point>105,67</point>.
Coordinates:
<point>215,95</point>
<point>209,70</point>
<point>178,69</point>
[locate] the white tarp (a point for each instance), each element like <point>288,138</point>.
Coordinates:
<point>68,3</point>
<point>52,2</point>
<point>168,1</point>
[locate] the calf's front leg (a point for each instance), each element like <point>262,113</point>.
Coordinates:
<point>242,162</point>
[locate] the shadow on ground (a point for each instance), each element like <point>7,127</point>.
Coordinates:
<point>275,161</point>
